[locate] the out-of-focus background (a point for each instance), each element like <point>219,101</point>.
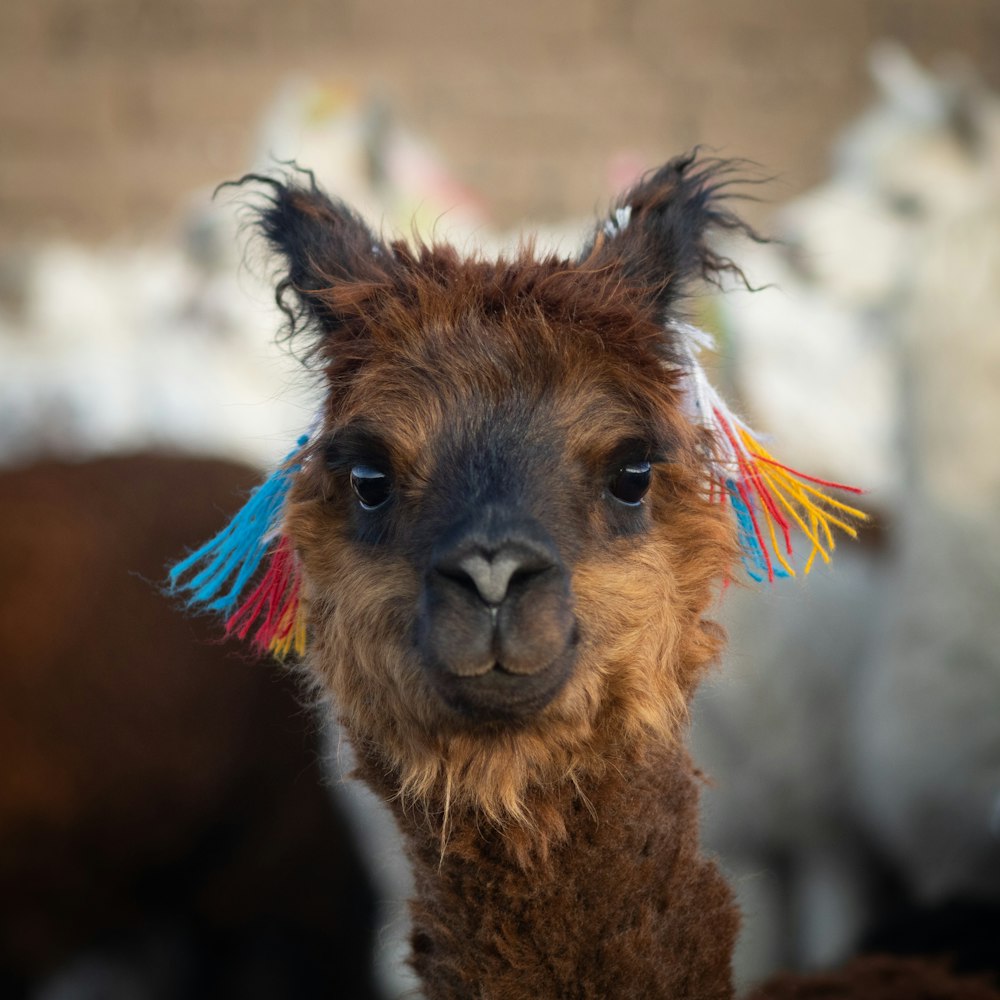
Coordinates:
<point>164,827</point>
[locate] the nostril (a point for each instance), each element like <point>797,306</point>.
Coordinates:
<point>458,576</point>
<point>490,575</point>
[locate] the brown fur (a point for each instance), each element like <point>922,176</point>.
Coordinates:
<point>624,907</point>
<point>555,855</point>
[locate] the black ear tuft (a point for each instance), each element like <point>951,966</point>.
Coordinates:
<point>324,245</point>
<point>658,234</point>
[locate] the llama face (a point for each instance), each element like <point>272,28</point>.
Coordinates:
<point>497,528</point>
<point>527,461</point>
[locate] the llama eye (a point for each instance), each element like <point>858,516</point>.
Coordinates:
<point>631,482</point>
<point>370,486</point>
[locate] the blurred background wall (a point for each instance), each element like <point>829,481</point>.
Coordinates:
<point>112,111</point>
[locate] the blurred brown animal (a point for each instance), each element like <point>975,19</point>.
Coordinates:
<point>161,799</point>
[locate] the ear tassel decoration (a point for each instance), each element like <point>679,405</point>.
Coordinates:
<point>768,498</point>
<point>214,577</point>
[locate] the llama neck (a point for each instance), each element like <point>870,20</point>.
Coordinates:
<point>624,907</point>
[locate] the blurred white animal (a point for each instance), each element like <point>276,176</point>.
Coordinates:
<point>120,349</point>
<point>857,715</point>
<point>171,344</point>
<point>924,731</point>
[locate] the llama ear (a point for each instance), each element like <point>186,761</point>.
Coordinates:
<point>657,235</point>
<point>331,255</point>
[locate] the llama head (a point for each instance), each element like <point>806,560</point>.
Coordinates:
<point>507,520</point>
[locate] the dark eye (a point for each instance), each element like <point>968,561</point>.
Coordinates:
<point>631,482</point>
<point>371,486</point>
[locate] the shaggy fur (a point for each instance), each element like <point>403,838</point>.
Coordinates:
<point>639,600</point>
<point>624,907</point>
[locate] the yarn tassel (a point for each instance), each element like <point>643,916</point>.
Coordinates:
<point>214,577</point>
<point>767,497</point>
<point>274,607</point>
<point>775,498</point>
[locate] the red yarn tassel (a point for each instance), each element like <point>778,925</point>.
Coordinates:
<point>273,606</point>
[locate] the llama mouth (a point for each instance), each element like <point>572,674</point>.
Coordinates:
<point>500,695</point>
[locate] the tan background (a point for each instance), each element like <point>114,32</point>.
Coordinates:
<point>112,110</point>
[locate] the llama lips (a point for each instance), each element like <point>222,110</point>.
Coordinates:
<point>498,663</point>
<point>501,696</point>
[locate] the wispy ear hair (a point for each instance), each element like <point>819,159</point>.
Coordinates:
<point>328,253</point>
<point>658,233</point>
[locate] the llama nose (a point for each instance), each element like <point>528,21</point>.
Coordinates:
<point>490,572</point>
<point>496,626</point>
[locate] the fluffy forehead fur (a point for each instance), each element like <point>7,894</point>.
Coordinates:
<point>532,376</point>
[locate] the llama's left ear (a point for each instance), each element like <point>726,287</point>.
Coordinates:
<point>657,235</point>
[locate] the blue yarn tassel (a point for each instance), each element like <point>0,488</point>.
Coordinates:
<point>237,551</point>
<point>754,560</point>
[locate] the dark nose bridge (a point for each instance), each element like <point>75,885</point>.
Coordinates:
<point>494,548</point>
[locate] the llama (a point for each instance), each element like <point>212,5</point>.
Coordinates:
<point>498,549</point>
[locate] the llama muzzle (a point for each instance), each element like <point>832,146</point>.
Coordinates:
<point>496,630</point>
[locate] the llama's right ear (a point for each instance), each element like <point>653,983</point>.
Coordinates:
<point>331,256</point>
